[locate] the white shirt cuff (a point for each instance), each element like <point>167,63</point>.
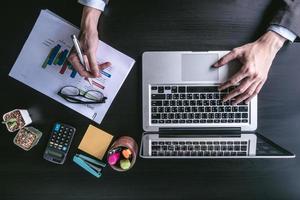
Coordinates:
<point>98,4</point>
<point>284,32</point>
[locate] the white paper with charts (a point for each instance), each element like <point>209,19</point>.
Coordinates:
<point>42,65</point>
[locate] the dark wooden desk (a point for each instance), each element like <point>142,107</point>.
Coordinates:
<point>133,27</point>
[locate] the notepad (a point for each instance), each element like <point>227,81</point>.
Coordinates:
<point>95,142</point>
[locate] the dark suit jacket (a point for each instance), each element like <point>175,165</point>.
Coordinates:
<point>289,16</point>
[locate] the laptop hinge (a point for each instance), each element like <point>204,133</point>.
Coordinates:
<point>236,131</point>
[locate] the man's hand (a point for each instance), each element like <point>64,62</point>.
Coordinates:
<point>89,43</point>
<point>256,59</point>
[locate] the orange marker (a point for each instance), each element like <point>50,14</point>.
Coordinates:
<point>126,153</point>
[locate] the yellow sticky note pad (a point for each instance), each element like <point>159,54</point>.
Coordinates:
<point>95,142</point>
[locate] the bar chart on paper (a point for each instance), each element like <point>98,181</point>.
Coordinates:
<point>57,57</point>
<point>43,65</point>
<point>56,62</point>
<point>105,76</point>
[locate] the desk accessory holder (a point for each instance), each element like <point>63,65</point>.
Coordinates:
<point>122,154</point>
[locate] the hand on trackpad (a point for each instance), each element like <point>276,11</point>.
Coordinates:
<point>198,67</point>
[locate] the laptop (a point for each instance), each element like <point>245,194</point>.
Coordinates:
<point>183,112</point>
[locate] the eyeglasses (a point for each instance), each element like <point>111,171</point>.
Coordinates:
<point>75,95</point>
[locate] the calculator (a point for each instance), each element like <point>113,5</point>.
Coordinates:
<point>59,143</point>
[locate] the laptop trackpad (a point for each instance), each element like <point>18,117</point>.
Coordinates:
<point>198,67</point>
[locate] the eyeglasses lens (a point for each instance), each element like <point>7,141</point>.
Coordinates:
<point>94,95</point>
<point>70,91</point>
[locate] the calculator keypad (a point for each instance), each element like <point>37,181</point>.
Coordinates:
<point>61,137</point>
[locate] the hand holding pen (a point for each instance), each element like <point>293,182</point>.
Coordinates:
<point>80,56</point>
<point>88,44</point>
<point>85,63</point>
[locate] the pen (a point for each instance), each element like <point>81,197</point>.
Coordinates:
<point>115,150</point>
<point>78,50</point>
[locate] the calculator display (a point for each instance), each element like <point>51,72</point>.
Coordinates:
<point>53,153</point>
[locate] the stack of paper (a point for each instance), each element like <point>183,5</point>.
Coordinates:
<point>42,65</point>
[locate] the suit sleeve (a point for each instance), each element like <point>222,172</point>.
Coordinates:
<point>289,16</point>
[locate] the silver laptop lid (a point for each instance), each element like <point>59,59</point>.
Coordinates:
<point>187,68</point>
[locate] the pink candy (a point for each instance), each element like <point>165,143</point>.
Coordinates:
<point>113,158</point>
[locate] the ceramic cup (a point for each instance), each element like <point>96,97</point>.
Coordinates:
<point>124,142</point>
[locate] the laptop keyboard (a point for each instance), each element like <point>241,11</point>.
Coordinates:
<point>199,148</point>
<point>194,105</point>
